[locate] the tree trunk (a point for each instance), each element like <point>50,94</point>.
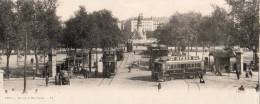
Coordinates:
<point>96,59</point>
<point>67,57</point>
<point>8,54</point>
<point>188,48</point>
<point>255,59</point>
<point>74,57</point>
<point>44,64</point>
<point>196,50</point>
<point>17,57</point>
<point>83,58</point>
<point>36,61</point>
<point>209,57</point>
<point>90,59</point>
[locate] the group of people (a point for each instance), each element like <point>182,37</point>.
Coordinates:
<point>247,69</point>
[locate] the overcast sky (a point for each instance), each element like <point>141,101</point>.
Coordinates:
<point>123,9</point>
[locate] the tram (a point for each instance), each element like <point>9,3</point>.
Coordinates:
<point>109,62</point>
<point>167,68</point>
<point>155,51</point>
<point>129,46</point>
<point>120,53</point>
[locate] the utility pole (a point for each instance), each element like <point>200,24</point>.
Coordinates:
<point>257,86</point>
<point>25,63</point>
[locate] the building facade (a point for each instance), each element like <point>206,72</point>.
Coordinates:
<point>147,24</point>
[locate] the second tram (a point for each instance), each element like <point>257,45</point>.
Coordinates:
<point>167,68</point>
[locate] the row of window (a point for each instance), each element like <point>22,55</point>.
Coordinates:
<point>176,66</point>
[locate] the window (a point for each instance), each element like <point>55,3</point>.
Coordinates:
<point>198,64</point>
<point>182,65</point>
<point>188,65</point>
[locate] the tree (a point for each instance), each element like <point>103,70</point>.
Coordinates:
<point>180,31</point>
<point>91,30</point>
<point>216,29</point>
<point>8,29</point>
<point>245,15</point>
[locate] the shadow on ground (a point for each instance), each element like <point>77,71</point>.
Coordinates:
<point>142,78</point>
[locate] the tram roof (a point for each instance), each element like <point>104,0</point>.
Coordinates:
<point>178,59</point>
<point>109,49</point>
<point>158,45</point>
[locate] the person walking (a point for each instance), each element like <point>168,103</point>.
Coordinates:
<point>159,86</point>
<point>237,72</point>
<point>129,69</point>
<point>201,78</point>
<point>251,66</point>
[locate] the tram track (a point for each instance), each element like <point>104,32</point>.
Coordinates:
<point>108,81</point>
<point>189,84</point>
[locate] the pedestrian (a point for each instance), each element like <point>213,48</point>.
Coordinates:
<point>250,73</point>
<point>251,66</point>
<point>129,69</point>
<point>257,87</point>
<point>159,86</point>
<point>247,74</point>
<point>32,60</point>
<point>201,78</point>
<point>241,88</point>
<point>96,73</point>
<point>237,72</point>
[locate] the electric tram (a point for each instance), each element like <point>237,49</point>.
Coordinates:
<point>109,62</point>
<point>167,68</point>
<point>155,51</point>
<point>129,46</point>
<point>120,53</point>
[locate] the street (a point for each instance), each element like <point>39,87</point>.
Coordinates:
<point>135,87</point>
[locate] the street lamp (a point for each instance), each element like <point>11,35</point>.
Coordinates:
<point>25,63</point>
<point>257,86</point>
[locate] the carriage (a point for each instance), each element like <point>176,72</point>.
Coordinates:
<point>109,62</point>
<point>167,68</point>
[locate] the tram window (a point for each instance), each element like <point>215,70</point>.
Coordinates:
<point>198,65</point>
<point>193,65</point>
<point>182,65</point>
<point>170,66</point>
<point>188,65</point>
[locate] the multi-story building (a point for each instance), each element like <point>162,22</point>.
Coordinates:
<point>147,24</point>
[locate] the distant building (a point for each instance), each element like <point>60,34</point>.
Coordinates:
<point>147,24</point>
<point>119,24</point>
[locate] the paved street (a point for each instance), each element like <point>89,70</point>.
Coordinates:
<point>133,88</point>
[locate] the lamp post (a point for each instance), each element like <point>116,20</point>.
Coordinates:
<point>25,63</point>
<point>257,86</point>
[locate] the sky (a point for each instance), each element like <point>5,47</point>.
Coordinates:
<point>123,9</point>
